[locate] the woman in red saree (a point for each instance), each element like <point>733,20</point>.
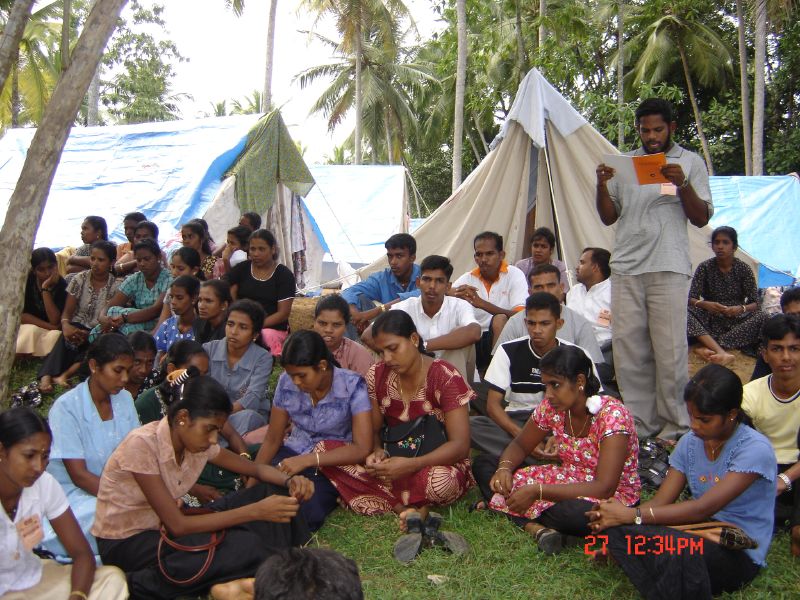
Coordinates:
<point>404,386</point>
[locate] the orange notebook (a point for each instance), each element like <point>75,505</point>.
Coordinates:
<point>648,168</point>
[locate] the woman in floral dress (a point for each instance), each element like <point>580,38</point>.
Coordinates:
<point>406,385</point>
<point>595,439</point>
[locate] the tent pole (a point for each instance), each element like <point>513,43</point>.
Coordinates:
<point>559,245</point>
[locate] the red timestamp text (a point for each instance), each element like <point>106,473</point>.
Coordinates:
<point>643,545</point>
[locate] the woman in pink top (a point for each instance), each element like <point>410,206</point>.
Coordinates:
<point>331,316</point>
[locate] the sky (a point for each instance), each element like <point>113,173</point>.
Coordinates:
<point>226,56</point>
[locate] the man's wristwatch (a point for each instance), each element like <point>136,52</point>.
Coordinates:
<point>685,183</point>
<point>786,481</point>
<point>638,518</point>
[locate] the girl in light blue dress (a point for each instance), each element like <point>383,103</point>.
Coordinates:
<point>88,423</point>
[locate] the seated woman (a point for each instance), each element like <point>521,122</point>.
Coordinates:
<point>93,228</point>
<point>45,297</point>
<point>330,416</point>
<point>730,470</point>
<point>129,223</point>
<point>88,423</point>
<point>126,263</point>
<point>87,294</point>
<point>407,385</point>
<point>156,465</point>
<point>242,366</point>
<point>234,251</point>
<point>723,303</point>
<point>141,372</point>
<point>184,261</point>
<point>266,281</point>
<point>195,236</point>
<point>212,310</point>
<point>595,440</point>
<point>151,405</point>
<point>31,496</point>
<point>331,316</point>
<point>543,242</point>
<point>182,298</point>
<point>139,299</point>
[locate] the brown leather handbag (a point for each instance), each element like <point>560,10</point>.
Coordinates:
<point>215,538</point>
<point>725,534</point>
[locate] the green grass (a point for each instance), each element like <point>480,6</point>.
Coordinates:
<point>504,562</point>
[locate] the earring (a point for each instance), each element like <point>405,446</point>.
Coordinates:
<point>580,387</point>
<point>181,423</point>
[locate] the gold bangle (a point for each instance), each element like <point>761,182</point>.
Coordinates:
<point>503,469</point>
<point>541,492</point>
<point>505,461</point>
<point>652,514</point>
<point>246,455</point>
<point>316,471</point>
<point>79,594</point>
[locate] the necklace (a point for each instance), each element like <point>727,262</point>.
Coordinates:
<point>569,418</point>
<point>715,449</point>
<point>416,389</point>
<point>257,278</point>
<point>12,512</point>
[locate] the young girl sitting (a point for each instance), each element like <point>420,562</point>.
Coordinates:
<point>730,470</point>
<point>331,316</point>
<point>212,310</point>
<point>28,496</point>
<point>182,298</point>
<point>156,465</point>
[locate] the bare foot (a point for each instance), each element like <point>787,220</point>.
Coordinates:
<point>46,384</point>
<point>423,514</point>
<point>796,541</point>
<point>722,358</point>
<point>703,352</point>
<point>238,589</point>
<point>62,381</point>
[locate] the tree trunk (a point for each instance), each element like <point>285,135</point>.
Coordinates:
<point>522,55</point>
<point>26,204</point>
<point>759,64</point>
<point>15,103</point>
<point>359,92</point>
<point>388,132</point>
<point>65,29</point>
<point>12,34</point>
<point>542,14</point>
<point>620,73</point>
<point>93,100</point>
<point>479,129</point>
<point>461,85</point>
<point>745,91</point>
<point>696,109</point>
<point>266,99</point>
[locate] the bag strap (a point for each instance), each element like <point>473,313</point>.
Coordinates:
<point>210,547</point>
<point>702,526</point>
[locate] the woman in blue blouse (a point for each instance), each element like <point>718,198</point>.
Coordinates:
<point>242,366</point>
<point>88,423</point>
<point>731,471</point>
<point>330,413</point>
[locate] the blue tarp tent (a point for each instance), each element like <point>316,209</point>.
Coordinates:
<point>765,211</point>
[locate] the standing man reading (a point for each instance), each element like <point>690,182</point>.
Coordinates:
<point>650,272</point>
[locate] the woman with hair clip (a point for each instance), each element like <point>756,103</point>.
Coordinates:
<point>88,423</point>
<point>271,284</point>
<point>731,470</point>
<point>406,386</point>
<point>29,496</point>
<point>157,464</point>
<point>596,441</point>
<point>330,416</point>
<point>151,405</point>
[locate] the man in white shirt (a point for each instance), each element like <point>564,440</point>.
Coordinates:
<point>592,296</point>
<point>495,289</point>
<point>446,324</point>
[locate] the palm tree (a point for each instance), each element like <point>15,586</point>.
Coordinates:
<point>249,105</point>
<point>267,96</point>
<point>744,87</point>
<point>461,84</point>
<point>667,31</point>
<point>353,19</point>
<point>14,16</point>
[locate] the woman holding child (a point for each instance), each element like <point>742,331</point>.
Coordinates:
<point>407,387</point>
<point>730,470</point>
<point>595,440</point>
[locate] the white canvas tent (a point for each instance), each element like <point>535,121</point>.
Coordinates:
<point>544,157</point>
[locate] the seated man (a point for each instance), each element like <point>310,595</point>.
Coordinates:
<point>514,375</point>
<point>770,403</point>
<point>790,305</point>
<point>447,324</point>
<point>494,289</point>
<point>387,287</point>
<point>591,297</point>
<point>575,330</point>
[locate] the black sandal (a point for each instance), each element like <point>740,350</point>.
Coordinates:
<point>408,546</point>
<point>549,541</point>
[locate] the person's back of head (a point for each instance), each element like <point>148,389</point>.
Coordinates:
<point>308,574</point>
<point>790,301</point>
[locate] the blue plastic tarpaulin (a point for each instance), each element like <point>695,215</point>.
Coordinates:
<point>171,171</point>
<point>765,211</point>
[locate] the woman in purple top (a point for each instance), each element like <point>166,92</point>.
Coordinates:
<point>331,417</point>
